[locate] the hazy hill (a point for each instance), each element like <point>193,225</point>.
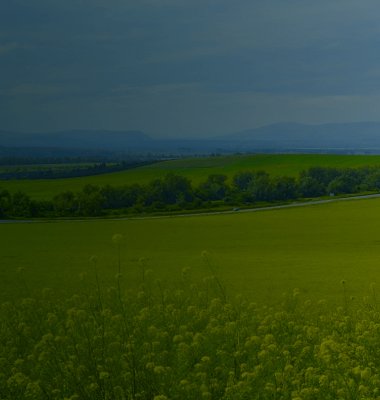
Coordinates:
<point>334,137</point>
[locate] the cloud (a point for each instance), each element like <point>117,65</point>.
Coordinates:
<point>39,90</point>
<point>194,110</point>
<point>185,66</point>
<point>7,48</point>
<point>161,89</point>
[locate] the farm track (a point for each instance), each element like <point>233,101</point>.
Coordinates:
<point>240,211</point>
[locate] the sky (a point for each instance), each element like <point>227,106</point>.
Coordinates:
<point>187,68</point>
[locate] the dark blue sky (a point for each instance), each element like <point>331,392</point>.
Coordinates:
<point>187,67</point>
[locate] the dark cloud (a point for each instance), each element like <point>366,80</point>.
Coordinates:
<point>181,67</point>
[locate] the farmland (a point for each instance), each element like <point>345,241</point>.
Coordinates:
<point>197,169</point>
<point>261,255</point>
<point>135,311</point>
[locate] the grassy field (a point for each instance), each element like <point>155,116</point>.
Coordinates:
<point>197,169</point>
<point>182,338</point>
<point>261,254</point>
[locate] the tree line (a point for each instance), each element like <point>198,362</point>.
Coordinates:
<point>70,171</point>
<point>175,193</point>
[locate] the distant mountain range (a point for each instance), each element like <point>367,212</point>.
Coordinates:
<point>281,137</point>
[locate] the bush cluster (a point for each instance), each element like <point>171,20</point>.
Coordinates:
<point>189,343</point>
<point>173,193</point>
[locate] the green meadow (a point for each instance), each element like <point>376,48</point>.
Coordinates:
<point>260,254</point>
<point>197,169</point>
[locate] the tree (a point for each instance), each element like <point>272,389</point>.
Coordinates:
<point>21,205</point>
<point>284,188</point>
<point>90,201</point>
<point>5,203</point>
<point>322,175</point>
<point>261,187</point>
<point>65,203</point>
<point>347,182</point>
<point>177,189</point>
<point>153,194</point>
<point>121,197</point>
<point>214,188</point>
<point>310,187</point>
<point>242,180</point>
<point>172,189</point>
<point>373,180</point>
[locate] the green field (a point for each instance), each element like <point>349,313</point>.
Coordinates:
<point>197,169</point>
<point>176,337</point>
<point>260,254</point>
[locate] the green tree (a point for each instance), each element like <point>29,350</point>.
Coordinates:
<point>373,180</point>
<point>65,203</point>
<point>177,189</point>
<point>242,180</point>
<point>90,201</point>
<point>284,188</point>
<point>5,203</point>
<point>21,205</point>
<point>214,188</point>
<point>347,182</point>
<point>311,187</point>
<point>261,187</point>
<point>172,189</point>
<point>323,175</point>
<point>121,197</point>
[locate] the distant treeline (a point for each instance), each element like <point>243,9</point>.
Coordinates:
<point>18,160</point>
<point>72,171</point>
<point>46,155</point>
<point>175,193</point>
